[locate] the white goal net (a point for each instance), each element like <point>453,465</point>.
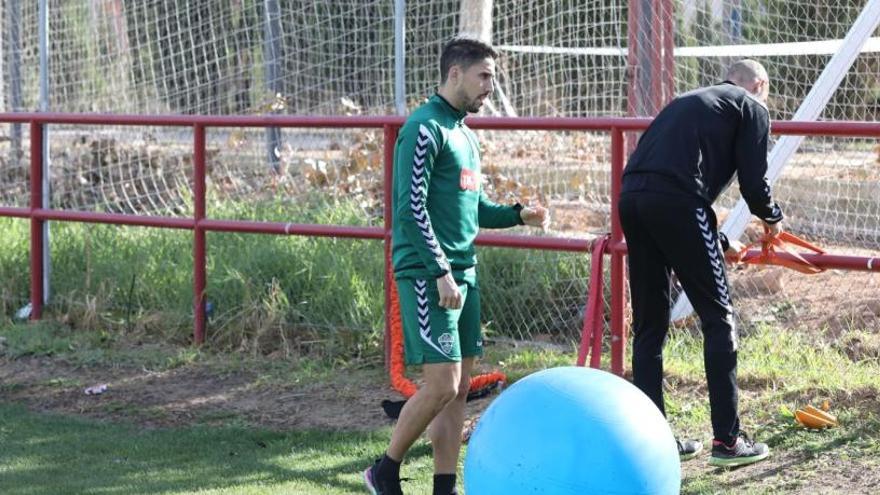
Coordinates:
<point>565,58</point>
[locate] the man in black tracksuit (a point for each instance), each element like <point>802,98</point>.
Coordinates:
<point>683,162</point>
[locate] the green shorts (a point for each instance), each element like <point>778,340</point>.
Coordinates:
<point>438,335</point>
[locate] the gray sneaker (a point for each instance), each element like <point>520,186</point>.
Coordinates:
<point>742,452</point>
<point>688,449</point>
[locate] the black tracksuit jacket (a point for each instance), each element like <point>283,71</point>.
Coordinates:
<point>683,162</point>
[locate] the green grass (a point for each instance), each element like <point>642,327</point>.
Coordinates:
<point>47,454</point>
<point>269,293</point>
<point>44,453</point>
<point>293,310</point>
<point>779,371</point>
<point>140,280</point>
<point>89,348</point>
<point>517,363</point>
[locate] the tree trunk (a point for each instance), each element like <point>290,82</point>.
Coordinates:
<point>476,19</point>
<point>3,79</point>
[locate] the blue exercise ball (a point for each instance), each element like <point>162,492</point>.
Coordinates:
<point>572,431</point>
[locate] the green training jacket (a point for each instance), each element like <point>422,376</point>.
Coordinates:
<point>438,201</point>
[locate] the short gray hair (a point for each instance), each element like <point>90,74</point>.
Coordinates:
<point>746,71</point>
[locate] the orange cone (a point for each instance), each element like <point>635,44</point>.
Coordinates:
<point>810,417</point>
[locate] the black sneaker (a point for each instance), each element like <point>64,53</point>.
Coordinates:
<point>688,449</point>
<point>742,452</point>
<point>378,486</point>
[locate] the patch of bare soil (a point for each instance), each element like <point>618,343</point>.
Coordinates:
<point>572,218</point>
<point>826,305</point>
<point>190,395</point>
<point>796,474</point>
<point>193,395</point>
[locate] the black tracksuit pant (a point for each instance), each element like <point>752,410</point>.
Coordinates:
<point>668,232</point>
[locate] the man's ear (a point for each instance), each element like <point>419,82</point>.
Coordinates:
<point>755,87</point>
<point>454,73</point>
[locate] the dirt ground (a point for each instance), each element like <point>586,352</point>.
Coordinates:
<point>198,395</point>
<point>192,395</point>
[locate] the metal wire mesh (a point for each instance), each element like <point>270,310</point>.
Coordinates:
<point>559,58</point>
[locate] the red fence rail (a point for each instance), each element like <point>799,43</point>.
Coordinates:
<point>200,224</point>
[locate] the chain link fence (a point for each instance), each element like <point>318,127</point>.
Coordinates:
<point>558,58</point>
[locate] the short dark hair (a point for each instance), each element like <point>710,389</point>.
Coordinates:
<point>465,52</point>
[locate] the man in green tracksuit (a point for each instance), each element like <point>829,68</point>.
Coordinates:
<point>439,205</point>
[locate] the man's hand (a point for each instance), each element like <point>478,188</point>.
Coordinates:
<point>734,249</point>
<point>774,228</point>
<point>450,296</point>
<point>536,216</point>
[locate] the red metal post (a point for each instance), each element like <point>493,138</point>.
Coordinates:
<point>821,128</point>
<point>14,212</point>
<point>36,223</point>
<point>201,225</point>
<point>112,218</point>
<point>199,246</point>
<point>570,244</point>
<point>632,59</point>
<point>390,137</point>
<point>656,51</point>
<point>618,290</point>
<point>668,52</point>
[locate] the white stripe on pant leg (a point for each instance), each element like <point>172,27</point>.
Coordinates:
<point>424,315</point>
<point>717,264</point>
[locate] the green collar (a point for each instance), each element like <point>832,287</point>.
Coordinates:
<point>458,114</point>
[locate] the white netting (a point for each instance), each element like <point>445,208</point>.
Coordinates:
<point>559,58</point>
<point>542,78</point>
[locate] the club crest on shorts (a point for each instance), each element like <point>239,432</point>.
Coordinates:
<point>446,341</point>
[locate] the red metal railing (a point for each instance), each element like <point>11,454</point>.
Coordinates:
<point>200,224</point>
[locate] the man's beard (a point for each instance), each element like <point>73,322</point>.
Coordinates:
<point>475,105</point>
